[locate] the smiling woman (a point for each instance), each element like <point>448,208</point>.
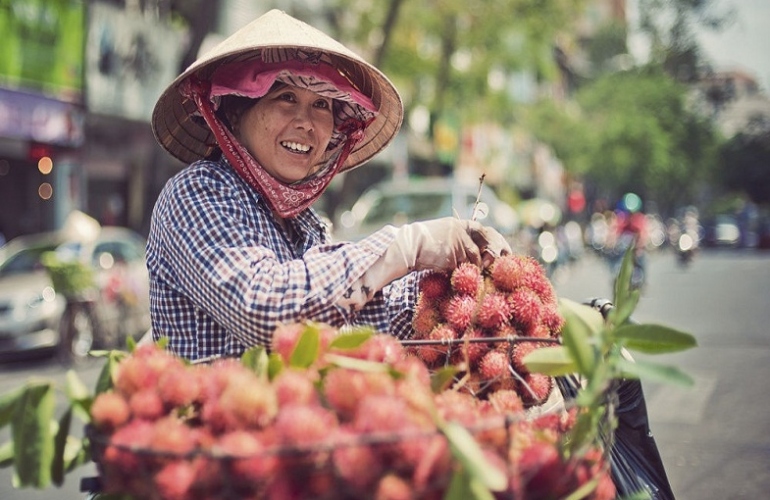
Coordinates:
<point>266,120</point>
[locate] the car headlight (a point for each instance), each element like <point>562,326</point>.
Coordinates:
<point>35,304</point>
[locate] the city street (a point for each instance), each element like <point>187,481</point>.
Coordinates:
<point>714,438</point>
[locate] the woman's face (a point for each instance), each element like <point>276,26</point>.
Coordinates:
<point>287,131</point>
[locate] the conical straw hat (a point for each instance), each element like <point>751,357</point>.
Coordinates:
<point>189,139</point>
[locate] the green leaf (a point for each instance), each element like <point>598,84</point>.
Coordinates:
<point>75,389</point>
<point>351,340</point>
<point>356,363</point>
<point>6,454</point>
<point>60,441</point>
<point>442,378</point>
<point>466,487</point>
<point>33,442</point>
<point>626,298</point>
<point>654,339</point>
<point>308,346</point>
<point>576,335</point>
<point>75,454</point>
<point>8,402</point>
<point>274,365</point>
<point>104,382</point>
<point>468,452</point>
<point>256,359</point>
<point>553,361</point>
<point>655,372</point>
<point>590,316</point>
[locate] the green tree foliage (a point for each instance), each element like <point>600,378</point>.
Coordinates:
<point>745,165</point>
<point>671,24</point>
<point>633,132</point>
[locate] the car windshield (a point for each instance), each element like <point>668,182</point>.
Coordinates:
<point>409,207</point>
<point>25,260</point>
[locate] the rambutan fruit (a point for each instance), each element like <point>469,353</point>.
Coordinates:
<point>118,454</point>
<point>180,386</point>
<point>494,311</point>
<point>459,312</point>
<point>380,348</point>
<point>173,437</point>
<point>109,411</point>
<point>520,351</point>
<point>506,401</point>
<point>541,470</point>
<point>285,338</point>
<point>461,407</point>
<point>382,413</point>
<point>507,272</point>
<point>526,307</point>
<point>494,365</point>
<point>535,388</point>
<point>466,279</point>
<point>343,388</point>
<point>296,387</point>
<point>442,337</point>
<point>393,487</point>
<point>247,457</point>
<point>356,461</point>
<point>553,319</point>
<point>146,404</point>
<point>304,425</point>
<point>174,480</point>
<point>246,402</point>
<point>470,352</point>
<point>425,316</point>
<point>412,368</point>
<point>434,285</point>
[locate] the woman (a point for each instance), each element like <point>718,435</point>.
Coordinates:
<point>267,119</point>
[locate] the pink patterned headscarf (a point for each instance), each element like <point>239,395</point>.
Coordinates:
<point>353,112</point>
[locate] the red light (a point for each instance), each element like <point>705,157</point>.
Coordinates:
<point>37,151</point>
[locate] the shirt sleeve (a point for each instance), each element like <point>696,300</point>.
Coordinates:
<point>229,257</point>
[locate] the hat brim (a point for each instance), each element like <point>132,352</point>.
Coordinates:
<point>189,139</point>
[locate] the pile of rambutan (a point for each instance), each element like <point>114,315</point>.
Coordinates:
<point>486,321</point>
<point>326,415</point>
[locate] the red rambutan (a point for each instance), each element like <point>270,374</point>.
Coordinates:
<point>459,312</point>
<point>507,272</point>
<point>506,401</point>
<point>526,308</point>
<point>109,411</point>
<point>393,487</point>
<point>493,311</point>
<point>146,404</point>
<point>434,285</point>
<point>494,365</point>
<point>535,388</point>
<point>174,479</point>
<point>250,462</point>
<point>296,387</point>
<point>520,351</point>
<point>425,317</point>
<point>304,425</point>
<point>466,279</point>
<point>472,352</point>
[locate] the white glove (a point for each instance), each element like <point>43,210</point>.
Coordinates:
<point>437,245</point>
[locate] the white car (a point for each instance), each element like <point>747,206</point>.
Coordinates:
<point>34,316</point>
<point>416,199</point>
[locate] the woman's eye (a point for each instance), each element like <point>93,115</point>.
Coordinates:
<point>323,104</point>
<point>287,96</point>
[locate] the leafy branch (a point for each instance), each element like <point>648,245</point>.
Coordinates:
<point>597,350</point>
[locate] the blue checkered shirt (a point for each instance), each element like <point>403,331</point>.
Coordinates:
<point>224,273</point>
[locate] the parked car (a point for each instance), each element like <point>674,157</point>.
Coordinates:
<point>36,314</point>
<point>416,199</point>
<point>722,231</point>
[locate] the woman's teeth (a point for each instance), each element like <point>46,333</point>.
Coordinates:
<point>296,147</point>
